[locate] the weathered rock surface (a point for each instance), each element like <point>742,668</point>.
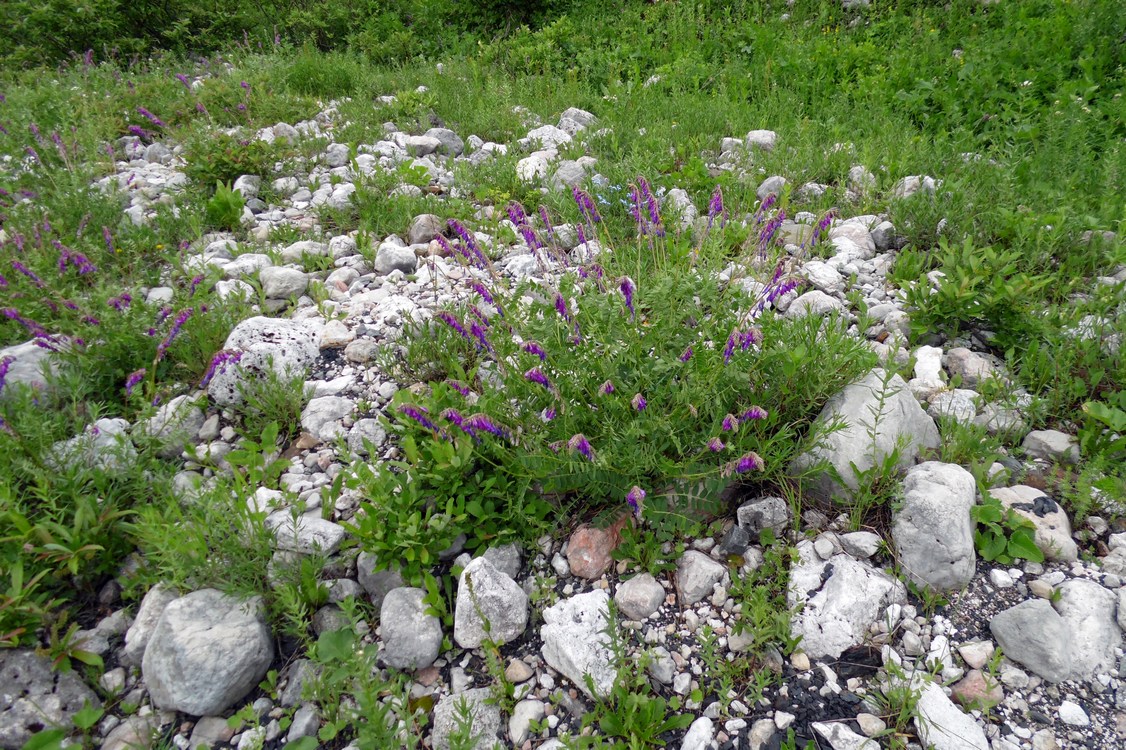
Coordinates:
<point>34,697</point>
<point>575,642</point>
<point>411,637</point>
<point>932,529</point>
<point>841,597</point>
<point>208,651</point>
<point>873,405</point>
<point>490,606</point>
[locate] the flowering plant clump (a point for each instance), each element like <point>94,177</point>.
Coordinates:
<point>630,393</point>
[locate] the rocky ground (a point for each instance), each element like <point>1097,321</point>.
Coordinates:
<point>185,661</point>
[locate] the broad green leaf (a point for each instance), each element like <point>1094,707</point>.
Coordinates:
<point>1022,544</point>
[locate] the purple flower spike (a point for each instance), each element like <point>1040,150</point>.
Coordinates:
<point>755,412</point>
<point>483,423</point>
<point>730,423</point>
<point>5,363</point>
<point>478,333</point>
<point>716,208</point>
<point>219,364</point>
<point>715,445</point>
<point>686,355</point>
<point>586,205</point>
<point>150,117</point>
<point>458,386</point>
<point>561,307</point>
<point>173,332</point>
<point>449,319</point>
<point>749,462</point>
<point>184,80</point>
<point>478,287</point>
<point>533,347</point>
<point>579,444</point>
<point>625,284</point>
<point>455,417</point>
<point>418,414</point>
<point>634,499</point>
<point>535,375</point>
<point>548,414</point>
<point>638,402</point>
<point>132,381</point>
<point>606,388</point>
<point>21,268</point>
<point>730,348</point>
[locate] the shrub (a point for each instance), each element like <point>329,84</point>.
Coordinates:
<point>605,394</point>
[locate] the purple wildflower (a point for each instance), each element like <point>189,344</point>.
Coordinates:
<point>586,205</point>
<point>686,354</point>
<point>478,332</point>
<point>716,208</point>
<point>200,108</point>
<point>184,80</point>
<point>33,154</point>
<point>579,444</point>
<point>730,423</point>
<point>3,282</point>
<point>173,332</point>
<point>651,205</point>
<point>5,363</point>
<point>715,445</point>
<point>196,281</point>
<point>730,348</point>
<point>634,498</point>
<point>32,327</point>
<point>822,227</point>
<point>581,233</point>
<point>638,402</point>
<point>533,347</point>
<point>476,257</point>
<point>151,117</point>
<point>458,386</point>
<point>749,462</point>
<point>483,423</point>
<point>132,381</point>
<point>90,320</point>
<point>635,208</point>
<point>536,375</point>
<point>419,414</point>
<point>138,131</point>
<point>748,338</point>
<point>245,86</point>
<point>546,217</point>
<point>478,287</point>
<point>755,412</point>
<point>219,364</point>
<point>516,213</point>
<point>765,207</point>
<point>35,132</point>
<point>625,284</point>
<point>561,307</point>
<point>21,268</point>
<point>454,417</point>
<point>606,388</point>
<point>548,414</point>
<point>449,319</point>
